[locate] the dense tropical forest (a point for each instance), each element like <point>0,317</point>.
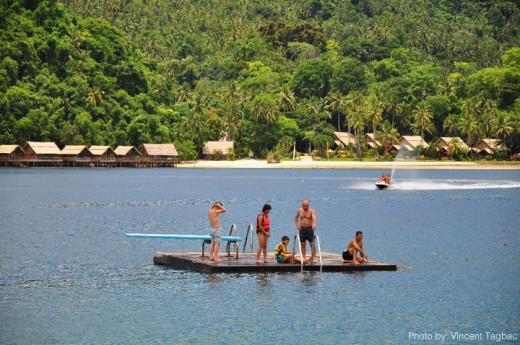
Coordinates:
<point>265,73</point>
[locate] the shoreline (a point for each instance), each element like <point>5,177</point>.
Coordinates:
<point>310,164</point>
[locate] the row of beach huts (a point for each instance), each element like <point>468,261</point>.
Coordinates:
<point>484,147</point>
<point>34,153</point>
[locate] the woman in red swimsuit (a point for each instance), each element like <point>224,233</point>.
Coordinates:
<point>263,230</point>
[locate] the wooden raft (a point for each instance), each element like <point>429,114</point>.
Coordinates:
<point>332,262</point>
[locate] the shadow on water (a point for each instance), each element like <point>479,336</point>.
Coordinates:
<point>311,279</point>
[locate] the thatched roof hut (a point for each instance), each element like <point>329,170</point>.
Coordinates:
<point>10,153</point>
<point>444,142</point>
<point>127,154</point>
<point>344,138</point>
<point>159,154</point>
<point>102,154</point>
<point>410,142</point>
<point>42,151</point>
<point>211,147</point>
<point>79,150</point>
<point>76,153</point>
<point>127,151</point>
<point>488,146</point>
<point>370,140</point>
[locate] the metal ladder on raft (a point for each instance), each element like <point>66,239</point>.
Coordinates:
<point>316,242</point>
<point>252,239</point>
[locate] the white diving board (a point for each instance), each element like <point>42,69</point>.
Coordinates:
<point>184,237</point>
<point>206,239</point>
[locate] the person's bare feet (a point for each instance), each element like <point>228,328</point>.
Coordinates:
<point>258,261</point>
<point>217,259</point>
<point>266,262</point>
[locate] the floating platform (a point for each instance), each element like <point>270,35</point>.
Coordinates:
<point>246,263</point>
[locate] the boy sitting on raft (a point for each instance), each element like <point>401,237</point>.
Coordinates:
<point>283,255</point>
<point>355,246</point>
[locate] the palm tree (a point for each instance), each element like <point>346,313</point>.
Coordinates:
<point>315,111</point>
<point>197,103</point>
<point>422,116</point>
<point>264,108</point>
<point>194,123</point>
<point>286,99</point>
<point>455,149</point>
<point>230,96</point>
<point>488,114</point>
<point>468,122</point>
<point>503,125</point>
<point>337,103</point>
<point>450,124</point>
<point>96,96</point>
<point>374,112</point>
<point>387,134</point>
<point>395,109</point>
<point>184,93</point>
<point>270,115</point>
<point>358,122</point>
<point>354,102</point>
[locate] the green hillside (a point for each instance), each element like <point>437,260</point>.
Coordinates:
<point>266,73</point>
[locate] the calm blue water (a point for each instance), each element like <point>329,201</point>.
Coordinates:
<point>69,276</point>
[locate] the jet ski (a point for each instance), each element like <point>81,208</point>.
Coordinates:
<point>383,182</point>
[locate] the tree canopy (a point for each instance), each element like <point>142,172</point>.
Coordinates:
<point>263,73</point>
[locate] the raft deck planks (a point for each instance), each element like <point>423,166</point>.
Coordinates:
<point>246,263</point>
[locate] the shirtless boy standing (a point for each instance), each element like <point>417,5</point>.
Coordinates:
<point>216,230</point>
<point>354,247</point>
<point>305,221</point>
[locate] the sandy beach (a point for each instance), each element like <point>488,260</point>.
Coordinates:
<point>308,163</point>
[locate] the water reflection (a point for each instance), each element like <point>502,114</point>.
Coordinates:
<point>214,278</point>
<point>311,279</point>
<point>263,280</point>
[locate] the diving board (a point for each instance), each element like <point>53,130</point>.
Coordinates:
<point>184,237</point>
<point>206,239</point>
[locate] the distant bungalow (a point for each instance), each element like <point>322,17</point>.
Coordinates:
<point>41,153</point>
<point>344,138</point>
<point>127,156</point>
<point>488,146</point>
<point>370,140</point>
<point>75,155</point>
<point>222,146</point>
<point>159,155</point>
<point>445,142</point>
<point>410,142</point>
<point>11,154</point>
<point>102,155</point>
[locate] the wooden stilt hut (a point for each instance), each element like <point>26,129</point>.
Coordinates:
<point>159,155</point>
<point>11,155</point>
<point>42,154</point>
<point>103,156</point>
<point>76,155</point>
<point>127,156</point>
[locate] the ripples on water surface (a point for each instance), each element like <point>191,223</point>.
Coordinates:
<point>69,276</point>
